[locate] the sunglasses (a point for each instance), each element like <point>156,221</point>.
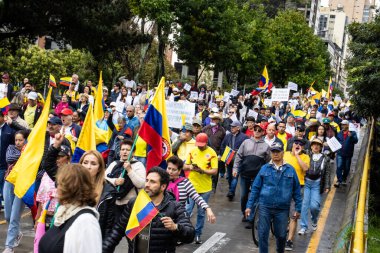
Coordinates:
<point>258,130</point>
<point>299,143</point>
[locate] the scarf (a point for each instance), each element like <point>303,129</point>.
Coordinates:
<point>173,187</point>
<point>65,212</point>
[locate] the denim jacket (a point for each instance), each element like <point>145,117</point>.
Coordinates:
<point>276,188</point>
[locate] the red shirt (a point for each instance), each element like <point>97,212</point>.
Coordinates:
<point>249,133</point>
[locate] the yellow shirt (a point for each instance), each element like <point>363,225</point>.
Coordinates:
<point>292,160</point>
<point>185,148</point>
<point>282,137</point>
<point>73,95</point>
<point>29,115</point>
<point>311,134</point>
<point>140,147</point>
<point>206,160</point>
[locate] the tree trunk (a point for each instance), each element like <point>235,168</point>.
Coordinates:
<point>160,69</point>
<point>143,53</point>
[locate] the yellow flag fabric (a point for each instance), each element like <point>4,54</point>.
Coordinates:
<point>86,140</point>
<point>324,93</point>
<point>225,153</point>
<point>23,174</point>
<point>99,103</point>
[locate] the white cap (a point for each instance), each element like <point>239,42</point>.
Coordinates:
<point>175,89</point>
<point>203,82</point>
<point>32,95</point>
<point>113,104</point>
<point>215,109</point>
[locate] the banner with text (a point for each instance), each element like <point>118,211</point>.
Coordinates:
<point>280,95</point>
<point>174,110</point>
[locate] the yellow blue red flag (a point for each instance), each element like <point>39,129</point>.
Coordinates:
<point>265,84</point>
<point>65,81</point>
<point>23,174</point>
<point>155,130</point>
<point>52,81</point>
<point>86,140</point>
<point>143,212</point>
<point>4,105</point>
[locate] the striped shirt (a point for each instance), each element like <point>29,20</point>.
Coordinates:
<point>186,190</point>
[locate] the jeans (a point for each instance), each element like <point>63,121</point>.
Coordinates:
<point>13,210</point>
<point>141,159</point>
<point>312,201</point>
<point>280,225</point>
<point>232,181</point>
<point>2,173</point>
<point>245,184</point>
<point>201,212</point>
<point>343,165</point>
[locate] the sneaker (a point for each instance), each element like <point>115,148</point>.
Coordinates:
<point>8,250</point>
<point>230,196</point>
<point>344,183</point>
<point>337,185</point>
<point>18,240</point>
<point>302,231</point>
<point>244,219</point>
<point>198,239</point>
<point>289,245</point>
<point>314,226</point>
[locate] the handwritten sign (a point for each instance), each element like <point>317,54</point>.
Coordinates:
<point>334,144</point>
<point>187,87</point>
<point>296,94</point>
<point>226,96</point>
<point>292,86</point>
<point>252,113</point>
<point>280,94</point>
<point>194,95</point>
<point>234,92</point>
<point>175,112</point>
<point>268,102</point>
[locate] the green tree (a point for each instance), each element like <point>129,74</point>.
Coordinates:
<point>294,52</point>
<point>364,67</point>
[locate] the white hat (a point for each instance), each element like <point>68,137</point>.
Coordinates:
<point>175,89</point>
<point>203,82</point>
<point>113,104</point>
<point>32,95</point>
<point>215,115</point>
<point>215,110</point>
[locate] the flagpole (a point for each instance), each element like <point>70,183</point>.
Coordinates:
<point>128,159</point>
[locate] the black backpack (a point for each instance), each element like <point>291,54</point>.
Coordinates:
<point>128,185</point>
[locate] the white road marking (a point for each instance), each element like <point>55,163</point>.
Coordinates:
<point>210,242</point>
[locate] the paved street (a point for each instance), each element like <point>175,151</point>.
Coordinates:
<point>228,234</point>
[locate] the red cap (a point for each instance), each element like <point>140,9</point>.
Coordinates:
<point>331,114</point>
<point>67,111</point>
<point>201,140</point>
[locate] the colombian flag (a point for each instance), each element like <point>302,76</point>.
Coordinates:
<point>330,88</point>
<point>86,140</point>
<point>228,155</point>
<point>4,105</point>
<point>143,212</point>
<point>155,130</point>
<point>52,81</point>
<point>65,81</point>
<point>24,172</point>
<point>265,85</point>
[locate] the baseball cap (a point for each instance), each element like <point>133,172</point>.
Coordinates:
<point>317,140</point>
<point>113,104</point>
<point>55,121</point>
<point>64,151</point>
<point>326,121</point>
<point>277,146</point>
<point>201,140</point>
<point>5,76</point>
<point>67,111</point>
<point>14,107</point>
<point>263,118</point>
<point>300,141</point>
<point>215,110</point>
<point>300,128</point>
<point>331,114</point>
<point>188,127</point>
<point>197,121</point>
<point>32,95</point>
<point>235,123</point>
<point>258,125</point>
<point>345,122</point>
<point>175,89</point>
<point>105,88</point>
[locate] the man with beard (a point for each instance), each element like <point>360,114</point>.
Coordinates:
<point>171,225</point>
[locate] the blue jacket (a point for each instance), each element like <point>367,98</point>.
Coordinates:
<point>348,144</point>
<point>275,189</point>
<point>7,138</point>
<point>227,141</point>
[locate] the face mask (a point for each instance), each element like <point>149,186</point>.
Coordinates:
<point>212,124</point>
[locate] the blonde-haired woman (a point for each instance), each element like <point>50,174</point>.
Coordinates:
<point>105,193</point>
<point>76,228</point>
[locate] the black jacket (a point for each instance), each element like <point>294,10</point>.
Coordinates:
<point>107,200</point>
<point>7,138</point>
<point>161,239</point>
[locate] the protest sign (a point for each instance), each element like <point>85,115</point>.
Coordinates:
<point>280,94</point>
<point>268,102</point>
<point>226,96</point>
<point>234,92</point>
<point>296,94</point>
<point>334,144</point>
<point>252,113</point>
<point>175,110</point>
<point>292,86</point>
<point>187,87</point>
<point>193,95</point>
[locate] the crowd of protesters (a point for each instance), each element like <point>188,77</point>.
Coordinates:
<point>282,159</point>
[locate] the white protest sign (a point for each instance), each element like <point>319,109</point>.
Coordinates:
<point>352,127</point>
<point>234,92</point>
<point>280,94</point>
<point>252,113</point>
<point>296,94</point>
<point>226,96</point>
<point>174,110</point>
<point>292,86</point>
<point>334,144</point>
<point>212,105</point>
<point>268,102</point>
<point>201,96</point>
<point>187,87</point>
<point>234,117</point>
<point>194,95</point>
